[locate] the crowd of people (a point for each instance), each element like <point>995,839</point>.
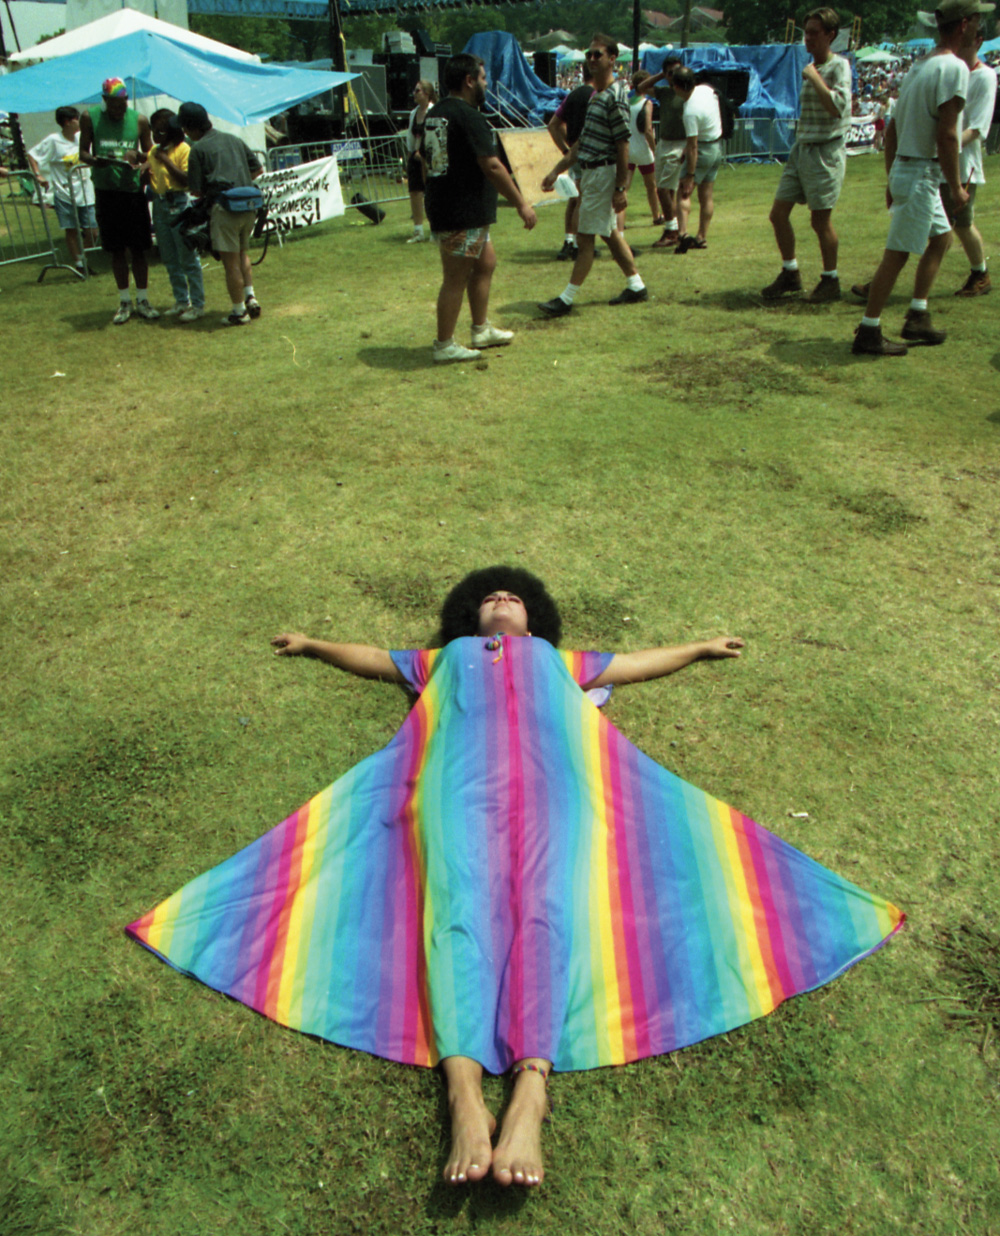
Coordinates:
<point>99,165</point>
<point>931,130</point>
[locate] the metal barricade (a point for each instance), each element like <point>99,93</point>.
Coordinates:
<point>372,170</point>
<point>28,226</point>
<point>760,140</point>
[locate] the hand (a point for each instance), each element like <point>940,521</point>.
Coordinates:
<point>959,201</point>
<point>43,181</point>
<point>290,645</point>
<point>810,74</point>
<point>687,186</point>
<point>528,216</point>
<point>549,183</point>
<point>157,154</point>
<point>888,198</point>
<point>724,646</point>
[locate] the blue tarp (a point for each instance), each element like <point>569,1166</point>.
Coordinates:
<point>775,71</point>
<point>505,63</point>
<point>235,90</point>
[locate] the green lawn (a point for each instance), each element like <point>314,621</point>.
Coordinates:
<point>172,497</point>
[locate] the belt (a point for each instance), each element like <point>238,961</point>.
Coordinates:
<point>589,164</point>
<point>918,158</point>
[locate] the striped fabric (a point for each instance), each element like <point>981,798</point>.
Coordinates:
<point>510,877</point>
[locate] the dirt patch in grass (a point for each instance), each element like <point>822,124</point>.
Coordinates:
<point>883,512</point>
<point>773,474</point>
<point>971,956</point>
<point>741,378</point>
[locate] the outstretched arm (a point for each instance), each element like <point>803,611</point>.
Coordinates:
<point>628,667</point>
<point>360,659</point>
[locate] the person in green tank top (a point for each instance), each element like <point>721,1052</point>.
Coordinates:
<point>114,139</point>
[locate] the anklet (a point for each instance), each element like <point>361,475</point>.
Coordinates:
<point>529,1068</point>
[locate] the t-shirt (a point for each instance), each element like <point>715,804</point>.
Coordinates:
<point>639,152</point>
<point>414,131</point>
<point>606,125</point>
<point>702,117</point>
<point>458,195</point>
<point>573,111</point>
<point>161,179</point>
<point>56,157</point>
<point>928,85</point>
<point>815,123</point>
<point>115,139</point>
<point>671,114</point>
<point>978,115</point>
<point>220,161</point>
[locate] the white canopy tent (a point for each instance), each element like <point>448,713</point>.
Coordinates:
<point>117,24</point>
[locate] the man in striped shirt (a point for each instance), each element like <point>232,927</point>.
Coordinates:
<point>601,151</point>
<point>814,173</point>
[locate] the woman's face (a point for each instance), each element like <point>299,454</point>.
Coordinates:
<point>418,95</point>
<point>503,613</point>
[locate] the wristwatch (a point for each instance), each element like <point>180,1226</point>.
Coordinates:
<point>619,188</point>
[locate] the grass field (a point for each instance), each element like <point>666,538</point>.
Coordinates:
<point>172,497</point>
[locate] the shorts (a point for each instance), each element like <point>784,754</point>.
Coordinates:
<point>814,174</point>
<point>66,217</point>
<point>966,214</point>
<point>917,212</point>
<point>414,174</point>
<point>597,187</point>
<point>123,221</point>
<point>231,230</point>
<point>669,164</point>
<point>469,243</point>
<point>709,161</point>
<point>644,168</point>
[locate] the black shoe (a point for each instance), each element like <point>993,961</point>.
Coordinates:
<point>568,253</point>
<point>786,282</point>
<point>825,292</point>
<point>869,341</point>
<point>684,243</point>
<point>628,297</point>
<point>917,328</point>
<point>555,308</point>
<point>861,290</point>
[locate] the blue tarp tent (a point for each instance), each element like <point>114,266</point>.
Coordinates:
<point>505,64</point>
<point>233,90</point>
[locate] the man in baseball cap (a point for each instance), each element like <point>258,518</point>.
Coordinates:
<point>922,144</point>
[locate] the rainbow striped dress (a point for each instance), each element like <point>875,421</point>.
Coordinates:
<point>511,877</point>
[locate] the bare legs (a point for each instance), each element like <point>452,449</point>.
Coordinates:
<point>461,275</point>
<point>140,268</point>
<point>517,1158</point>
<point>822,225</point>
<point>239,274</point>
<point>417,209</point>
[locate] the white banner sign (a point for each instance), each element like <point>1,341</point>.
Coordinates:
<point>301,196</point>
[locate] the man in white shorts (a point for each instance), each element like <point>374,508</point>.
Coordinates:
<point>703,156</point>
<point>921,151</point>
<point>601,151</point>
<point>814,173</point>
<point>976,121</point>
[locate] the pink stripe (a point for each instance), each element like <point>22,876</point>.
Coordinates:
<point>409,963</point>
<point>771,940</point>
<point>282,893</point>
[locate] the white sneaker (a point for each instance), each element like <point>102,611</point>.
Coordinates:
<point>490,336</point>
<point>236,319</point>
<point>123,314</point>
<point>416,238</point>
<point>145,310</point>
<point>177,310</point>
<point>452,351</point>
<point>191,314</point>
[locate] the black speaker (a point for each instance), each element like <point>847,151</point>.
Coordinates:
<point>402,72</point>
<point>734,86</point>
<point>423,42</point>
<point>547,68</point>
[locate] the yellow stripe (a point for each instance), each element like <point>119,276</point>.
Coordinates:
<point>294,963</point>
<point>740,906</point>
<point>607,1003</point>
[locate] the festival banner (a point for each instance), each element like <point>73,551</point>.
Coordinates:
<point>298,197</point>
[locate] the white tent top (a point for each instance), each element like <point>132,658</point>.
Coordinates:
<point>118,24</point>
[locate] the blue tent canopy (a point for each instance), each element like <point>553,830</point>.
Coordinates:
<point>505,64</point>
<point>775,71</point>
<point>234,90</point>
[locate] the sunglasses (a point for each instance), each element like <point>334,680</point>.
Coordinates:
<point>593,55</point>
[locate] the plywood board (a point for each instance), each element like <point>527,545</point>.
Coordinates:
<point>531,154</point>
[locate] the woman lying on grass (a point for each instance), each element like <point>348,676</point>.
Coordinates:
<point>510,885</point>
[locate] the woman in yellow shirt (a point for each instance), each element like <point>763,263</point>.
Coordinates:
<point>167,168</point>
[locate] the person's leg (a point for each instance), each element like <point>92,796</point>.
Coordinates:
<point>73,245</point>
<point>683,212</point>
<point>518,1155</point>
<point>472,1123</point>
<point>930,264</point>
<point>706,207</point>
<point>584,259</point>
<point>622,254</point>
<point>822,225</point>
<point>233,268</point>
<point>479,284</point>
<point>170,246</point>
<point>784,233</point>
<point>140,269</point>
<point>456,273</point>
<point>649,180</point>
<point>119,268</point>
<point>972,242</point>
<point>883,281</point>
<point>417,209</point>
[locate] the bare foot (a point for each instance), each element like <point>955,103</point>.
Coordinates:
<point>518,1155</point>
<point>472,1125</point>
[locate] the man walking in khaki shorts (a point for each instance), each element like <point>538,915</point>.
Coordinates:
<point>220,161</point>
<point>814,173</point>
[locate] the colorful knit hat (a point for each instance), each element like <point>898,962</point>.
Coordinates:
<point>114,88</point>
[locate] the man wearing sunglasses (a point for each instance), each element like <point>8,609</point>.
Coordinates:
<point>601,152</point>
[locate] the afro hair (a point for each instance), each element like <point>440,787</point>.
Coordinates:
<point>460,612</point>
